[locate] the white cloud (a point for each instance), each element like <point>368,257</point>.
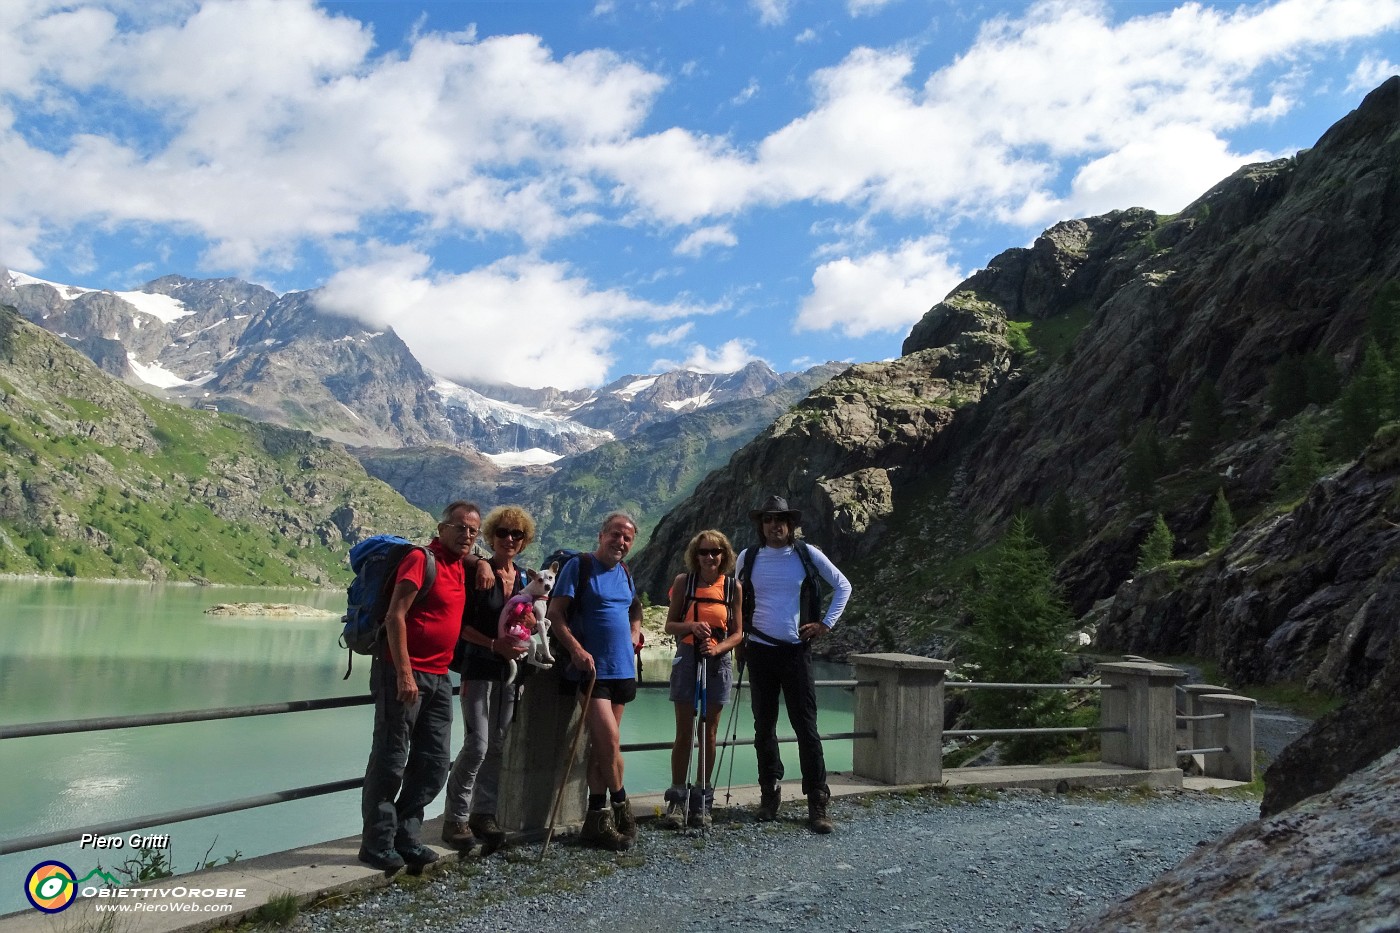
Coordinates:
<point>771,12</point>
<point>519,320</point>
<point>277,128</point>
<point>880,291</point>
<point>665,338</point>
<point>863,7</point>
<point>988,134</point>
<point>1370,72</point>
<point>747,94</point>
<point>697,242</point>
<point>731,356</point>
<point>1167,170</point>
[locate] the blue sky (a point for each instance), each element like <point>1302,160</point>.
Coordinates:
<point>551,193</point>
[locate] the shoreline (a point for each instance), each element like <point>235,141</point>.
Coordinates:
<point>47,578</point>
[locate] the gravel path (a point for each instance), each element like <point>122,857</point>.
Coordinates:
<point>983,861</point>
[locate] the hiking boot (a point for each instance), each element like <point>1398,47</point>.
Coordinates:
<point>768,803</point>
<point>457,835</point>
<point>599,832</point>
<point>701,802</point>
<point>382,859</point>
<point>817,817</point>
<point>485,828</point>
<point>624,821</point>
<point>416,857</point>
<point>674,817</point>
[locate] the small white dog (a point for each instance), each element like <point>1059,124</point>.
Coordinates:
<point>523,619</point>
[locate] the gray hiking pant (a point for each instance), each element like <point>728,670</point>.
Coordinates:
<point>408,757</point>
<point>488,706</point>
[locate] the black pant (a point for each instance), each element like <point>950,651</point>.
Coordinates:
<point>785,668</point>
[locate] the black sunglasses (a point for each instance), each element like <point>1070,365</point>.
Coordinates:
<point>515,534</point>
<point>709,551</point>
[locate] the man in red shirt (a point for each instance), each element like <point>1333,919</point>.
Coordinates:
<point>410,755</point>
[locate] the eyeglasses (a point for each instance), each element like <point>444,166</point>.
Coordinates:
<point>710,551</point>
<point>468,530</point>
<point>770,519</point>
<point>515,534</point>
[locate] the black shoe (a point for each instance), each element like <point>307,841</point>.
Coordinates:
<point>418,856</point>
<point>769,801</point>
<point>382,859</point>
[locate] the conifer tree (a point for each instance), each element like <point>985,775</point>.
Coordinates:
<point>1222,521</point>
<point>1146,461</point>
<point>1303,464</point>
<point>1366,401</point>
<point>1017,635</point>
<point>1156,547</point>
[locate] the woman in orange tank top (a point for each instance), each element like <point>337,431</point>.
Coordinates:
<point>705,618</point>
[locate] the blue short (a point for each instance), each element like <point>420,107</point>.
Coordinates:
<point>719,679</point>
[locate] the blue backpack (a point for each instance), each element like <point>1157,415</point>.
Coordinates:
<point>585,577</point>
<point>375,561</point>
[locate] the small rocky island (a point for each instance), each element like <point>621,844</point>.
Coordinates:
<point>279,610</point>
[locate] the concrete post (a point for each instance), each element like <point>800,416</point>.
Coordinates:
<point>533,762</point>
<point>1143,702</point>
<point>1235,733</point>
<point>1190,705</point>
<point>905,711</point>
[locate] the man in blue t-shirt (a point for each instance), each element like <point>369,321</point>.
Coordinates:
<point>600,625</point>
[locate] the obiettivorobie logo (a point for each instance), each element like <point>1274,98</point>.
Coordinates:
<point>52,886</point>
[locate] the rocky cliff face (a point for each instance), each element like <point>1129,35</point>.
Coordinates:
<point>1310,596</point>
<point>1031,379</point>
<point>839,453</point>
<point>298,367</point>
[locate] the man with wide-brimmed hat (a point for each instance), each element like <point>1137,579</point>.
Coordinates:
<point>782,616</point>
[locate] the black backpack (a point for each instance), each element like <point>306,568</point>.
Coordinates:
<point>811,586</point>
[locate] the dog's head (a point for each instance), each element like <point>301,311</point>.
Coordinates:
<point>541,581</point>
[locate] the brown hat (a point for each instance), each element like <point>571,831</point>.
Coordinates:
<point>777,505</point>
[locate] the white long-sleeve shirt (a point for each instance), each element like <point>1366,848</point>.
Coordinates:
<point>777,587</point>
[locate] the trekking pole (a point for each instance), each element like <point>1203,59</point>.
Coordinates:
<point>568,765</point>
<point>734,728</point>
<point>701,727</point>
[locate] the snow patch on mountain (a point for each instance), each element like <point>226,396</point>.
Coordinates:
<point>154,374</point>
<point>67,292</point>
<point>456,396</point>
<point>631,390</point>
<point>161,307</point>
<point>535,456</point>
<point>691,404</point>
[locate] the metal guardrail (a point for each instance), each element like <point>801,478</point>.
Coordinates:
<point>105,723</point>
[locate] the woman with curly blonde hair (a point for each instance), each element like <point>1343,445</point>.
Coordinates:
<point>488,701</point>
<point>706,619</point>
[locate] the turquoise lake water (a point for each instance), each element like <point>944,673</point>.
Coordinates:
<point>77,650</point>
